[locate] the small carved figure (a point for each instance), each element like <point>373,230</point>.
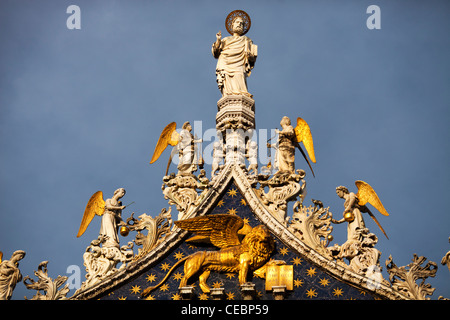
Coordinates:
<point>10,274</point>
<point>223,231</point>
<point>218,155</point>
<point>236,55</point>
<point>289,138</point>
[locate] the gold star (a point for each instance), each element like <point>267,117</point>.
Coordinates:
<point>179,255</point>
<point>151,277</point>
<point>164,287</point>
<point>217,284</point>
<point>311,293</point>
<point>243,202</point>
<point>298,282</point>
<point>165,266</point>
<point>203,296</point>
<point>284,251</point>
<point>324,282</point>
<point>177,276</point>
<point>190,246</point>
<point>230,275</point>
<point>135,289</point>
<point>259,294</point>
<point>230,296</point>
<point>122,298</point>
<point>232,192</point>
<point>176,296</point>
<point>232,211</point>
<point>246,221</point>
<point>221,203</point>
<point>362,292</point>
<point>296,261</point>
<point>311,272</point>
<point>150,297</point>
<point>337,292</point>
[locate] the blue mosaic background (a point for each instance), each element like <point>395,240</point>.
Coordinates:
<point>310,283</point>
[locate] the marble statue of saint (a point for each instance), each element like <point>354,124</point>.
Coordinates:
<point>10,274</point>
<point>236,56</point>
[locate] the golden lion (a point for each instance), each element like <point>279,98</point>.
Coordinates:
<point>223,231</point>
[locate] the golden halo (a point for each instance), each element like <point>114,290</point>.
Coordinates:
<point>238,13</point>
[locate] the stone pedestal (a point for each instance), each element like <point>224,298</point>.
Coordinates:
<point>186,293</point>
<point>248,291</point>
<point>235,112</point>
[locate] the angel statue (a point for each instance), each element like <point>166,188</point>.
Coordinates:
<point>355,204</point>
<point>236,55</point>
<point>289,138</point>
<point>110,211</point>
<point>184,143</point>
<point>10,274</point>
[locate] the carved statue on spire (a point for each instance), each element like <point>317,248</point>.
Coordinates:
<point>355,204</point>
<point>236,55</point>
<point>184,143</point>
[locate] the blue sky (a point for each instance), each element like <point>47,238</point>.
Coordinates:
<point>81,111</point>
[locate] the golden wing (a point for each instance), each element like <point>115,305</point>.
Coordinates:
<point>367,194</point>
<point>303,133</point>
<point>95,206</point>
<point>168,136</point>
<point>221,229</point>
